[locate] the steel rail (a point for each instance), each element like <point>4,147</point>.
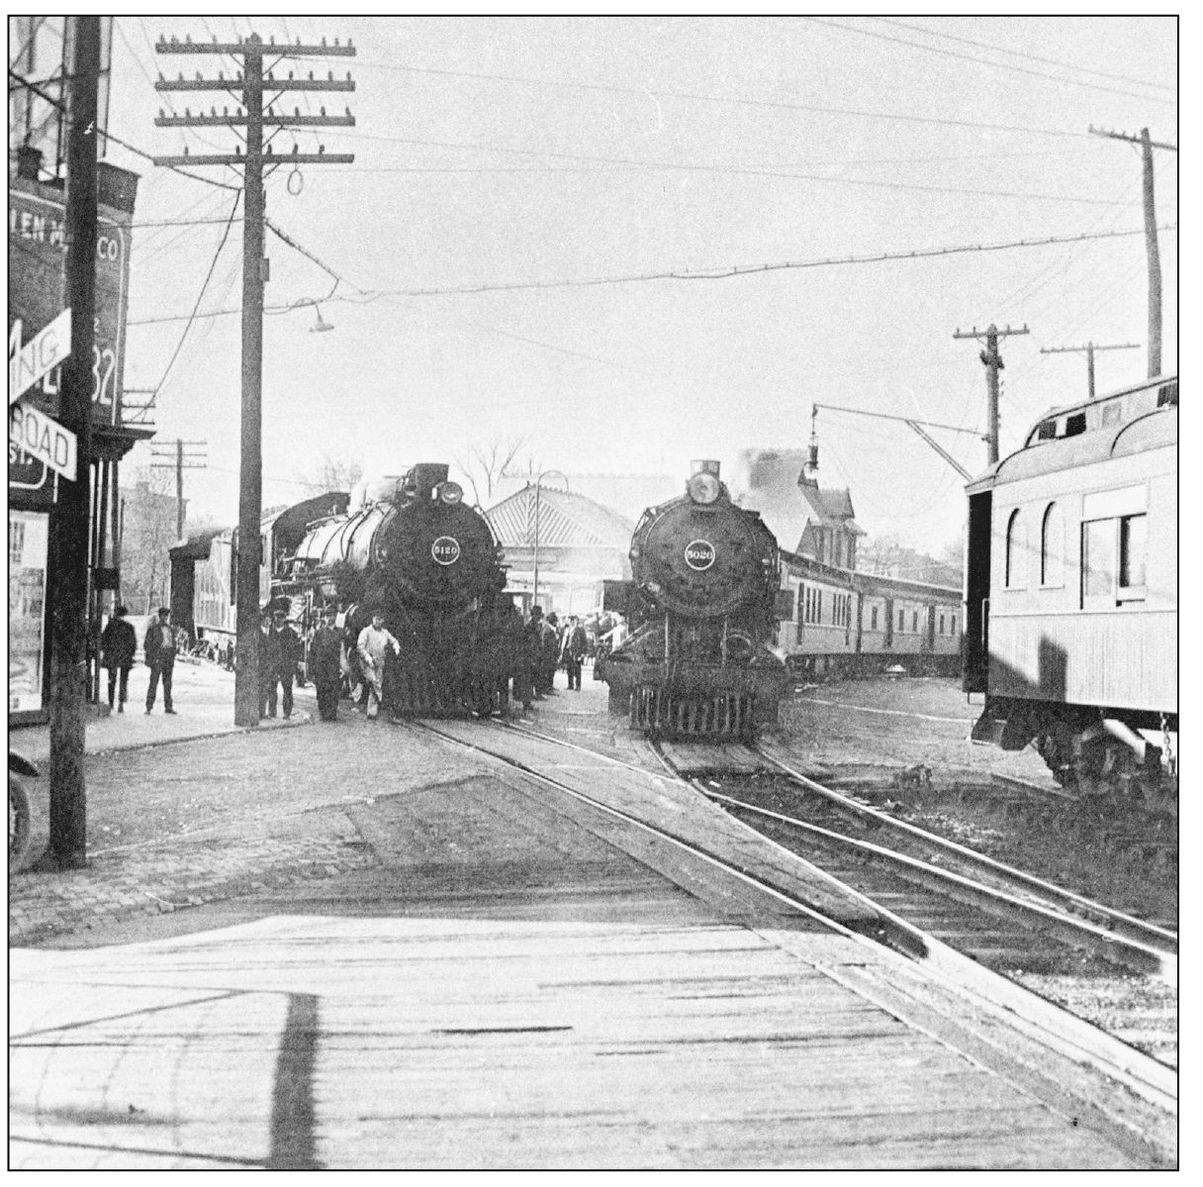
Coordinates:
<point>1051,1024</point>
<point>1117,923</point>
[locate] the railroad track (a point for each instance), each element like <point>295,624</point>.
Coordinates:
<point>1088,1045</point>
<point>1004,918</point>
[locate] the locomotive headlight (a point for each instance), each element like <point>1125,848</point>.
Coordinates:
<point>451,492</point>
<point>703,487</point>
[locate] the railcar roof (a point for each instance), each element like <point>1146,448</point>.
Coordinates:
<point>1152,430</point>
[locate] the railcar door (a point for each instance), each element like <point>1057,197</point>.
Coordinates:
<point>976,637</point>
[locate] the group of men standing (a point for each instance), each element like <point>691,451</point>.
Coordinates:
<point>547,645</point>
<point>118,647</point>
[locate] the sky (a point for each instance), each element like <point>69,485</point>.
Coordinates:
<point>522,157</point>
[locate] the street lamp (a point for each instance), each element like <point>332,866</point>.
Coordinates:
<point>538,489</point>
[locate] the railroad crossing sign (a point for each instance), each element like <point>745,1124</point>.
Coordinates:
<point>39,356</point>
<point>43,439</point>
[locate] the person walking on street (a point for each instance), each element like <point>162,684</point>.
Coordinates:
<point>283,649</point>
<point>575,644</point>
<point>118,643</point>
<point>159,649</point>
<point>549,649</point>
<point>372,646</point>
<point>325,666</point>
<point>533,654</point>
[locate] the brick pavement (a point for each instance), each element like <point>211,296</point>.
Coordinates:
<point>192,809</point>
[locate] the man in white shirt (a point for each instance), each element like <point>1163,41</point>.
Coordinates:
<point>372,646</point>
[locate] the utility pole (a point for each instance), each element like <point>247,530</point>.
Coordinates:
<point>1151,249</point>
<point>191,461</point>
<point>1089,348</point>
<point>994,364</point>
<point>250,88</point>
<point>68,562</point>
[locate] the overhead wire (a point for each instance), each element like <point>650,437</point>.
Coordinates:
<point>199,297</point>
<point>867,183</point>
<point>931,49</point>
<point>812,108</point>
<point>1000,49</point>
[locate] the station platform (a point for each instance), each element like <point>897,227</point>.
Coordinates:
<point>385,952</point>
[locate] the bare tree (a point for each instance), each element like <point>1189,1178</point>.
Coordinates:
<point>335,473</point>
<point>485,464</point>
<point>149,522</point>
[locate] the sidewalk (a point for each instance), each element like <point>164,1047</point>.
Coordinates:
<point>203,697</point>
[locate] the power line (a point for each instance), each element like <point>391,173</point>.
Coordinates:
<point>716,273</point>
<point>1029,57</point>
<point>644,92</point>
<point>948,53</point>
<point>736,171</point>
<point>199,297</point>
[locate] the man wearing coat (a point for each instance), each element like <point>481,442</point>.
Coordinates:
<point>575,644</point>
<point>117,646</point>
<point>159,649</point>
<point>325,666</point>
<point>281,650</point>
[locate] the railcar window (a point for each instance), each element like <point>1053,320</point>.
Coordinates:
<point>1132,555</point>
<point>1076,424</point>
<point>901,619</point>
<point>1014,575</point>
<point>873,619</point>
<point>1051,545</point>
<point>914,620</point>
<point>1098,562</point>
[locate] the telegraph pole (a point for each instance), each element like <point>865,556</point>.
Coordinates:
<point>994,364</point>
<point>250,89</point>
<point>191,461</point>
<point>68,561</point>
<point>1151,249</point>
<point>1089,348</point>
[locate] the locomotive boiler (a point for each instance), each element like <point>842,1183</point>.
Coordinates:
<point>411,549</point>
<point>701,606</point>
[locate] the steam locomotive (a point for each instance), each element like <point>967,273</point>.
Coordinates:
<point>411,549</point>
<point>1071,626</point>
<point>407,547</point>
<point>702,606</point>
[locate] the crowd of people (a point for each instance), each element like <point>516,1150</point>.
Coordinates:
<point>513,663</point>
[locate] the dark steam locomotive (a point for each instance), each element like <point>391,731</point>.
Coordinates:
<point>702,608</point>
<point>411,549</point>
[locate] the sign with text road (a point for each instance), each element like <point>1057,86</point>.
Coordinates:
<point>39,356</point>
<point>43,439</point>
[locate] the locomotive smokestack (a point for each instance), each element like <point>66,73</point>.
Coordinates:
<point>704,466</point>
<point>425,476</point>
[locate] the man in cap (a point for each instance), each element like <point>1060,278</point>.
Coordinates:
<point>372,647</point>
<point>325,666</point>
<point>281,650</point>
<point>159,649</point>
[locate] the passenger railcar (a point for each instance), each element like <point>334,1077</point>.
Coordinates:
<point>846,623</point>
<point>1071,593</point>
<point>702,609</point>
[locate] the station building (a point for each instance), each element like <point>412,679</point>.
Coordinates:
<point>560,546</point>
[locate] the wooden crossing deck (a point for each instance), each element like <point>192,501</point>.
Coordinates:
<point>508,989</point>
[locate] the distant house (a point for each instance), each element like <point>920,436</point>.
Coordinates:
<point>805,519</point>
<point>565,543</point>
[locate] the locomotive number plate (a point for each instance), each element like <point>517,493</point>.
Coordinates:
<point>699,554</point>
<point>445,550</point>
